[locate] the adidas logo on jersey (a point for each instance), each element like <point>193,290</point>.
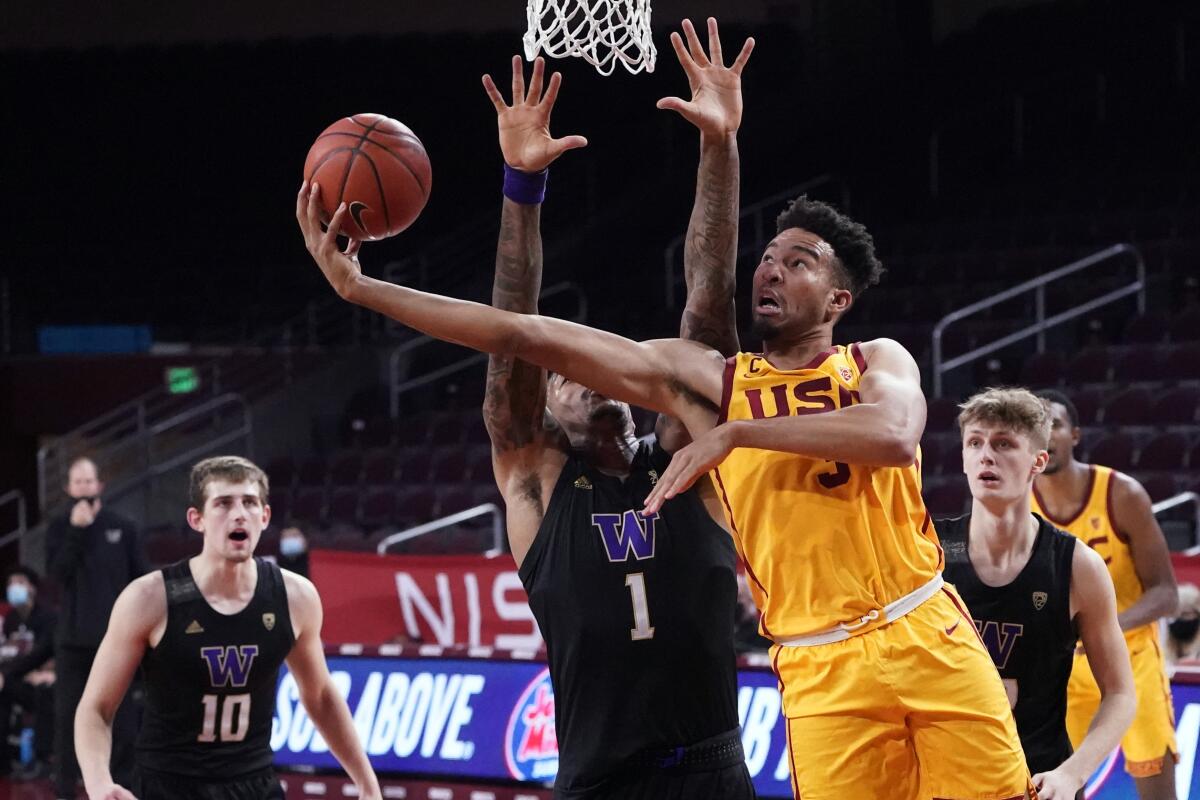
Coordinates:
<point>583,483</point>
<point>195,627</point>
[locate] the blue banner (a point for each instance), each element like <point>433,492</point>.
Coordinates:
<point>484,719</point>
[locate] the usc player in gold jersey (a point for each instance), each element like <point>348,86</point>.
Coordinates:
<point>1111,512</point>
<point>887,689</point>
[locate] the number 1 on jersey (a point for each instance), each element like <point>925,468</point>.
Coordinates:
<point>641,610</point>
<point>235,704</point>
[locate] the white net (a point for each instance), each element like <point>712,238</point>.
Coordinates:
<point>602,32</point>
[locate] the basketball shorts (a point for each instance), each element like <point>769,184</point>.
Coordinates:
<point>913,710</point>
<point>714,769</point>
<point>1152,734</point>
<point>151,785</point>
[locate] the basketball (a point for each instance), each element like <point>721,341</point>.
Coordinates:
<point>377,167</point>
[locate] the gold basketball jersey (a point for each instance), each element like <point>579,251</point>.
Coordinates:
<point>824,542</point>
<point>1093,525</point>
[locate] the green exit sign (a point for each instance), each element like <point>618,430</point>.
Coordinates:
<point>182,380</point>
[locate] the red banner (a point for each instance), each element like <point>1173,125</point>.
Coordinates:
<point>441,600</point>
<point>1187,568</point>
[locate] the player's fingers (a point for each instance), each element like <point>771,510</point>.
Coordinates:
<point>685,59</point>
<point>552,92</point>
<point>714,43</point>
<point>694,46</point>
<point>301,202</point>
<point>535,82</point>
<point>566,143</point>
<point>329,240</point>
<point>493,94</point>
<point>352,246</point>
<point>312,222</point>
<point>739,63</point>
<point>518,81</point>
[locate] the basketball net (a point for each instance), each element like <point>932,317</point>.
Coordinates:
<point>601,32</point>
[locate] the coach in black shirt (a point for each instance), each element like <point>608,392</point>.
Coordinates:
<point>94,553</point>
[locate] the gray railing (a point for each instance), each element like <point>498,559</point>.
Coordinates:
<point>228,418</point>
<point>398,357</point>
<point>462,516</point>
<point>14,497</point>
<point>1042,323</point>
<point>755,227</point>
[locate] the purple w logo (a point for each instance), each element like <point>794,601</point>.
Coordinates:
<point>229,666</point>
<point>623,533</point>
<point>1000,638</point>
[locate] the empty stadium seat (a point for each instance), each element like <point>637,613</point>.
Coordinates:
<point>1177,406</point>
<point>1093,365</point>
<point>379,468</point>
<point>343,505</point>
<point>1043,369</point>
<point>346,468</point>
<point>1114,451</point>
<point>1130,407</point>
<point>1166,451</point>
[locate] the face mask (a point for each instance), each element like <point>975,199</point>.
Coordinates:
<point>291,546</point>
<point>18,595</point>
<point>1182,629</point>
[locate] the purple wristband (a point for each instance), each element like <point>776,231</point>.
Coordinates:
<point>527,188</point>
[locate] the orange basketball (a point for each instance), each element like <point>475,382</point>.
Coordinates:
<point>378,167</point>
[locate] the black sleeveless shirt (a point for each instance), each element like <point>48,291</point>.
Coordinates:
<point>210,682</point>
<point>1028,630</point>
<point>637,615</point>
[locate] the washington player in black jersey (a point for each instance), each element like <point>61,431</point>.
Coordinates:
<point>637,612</point>
<point>210,634</point>
<point>1034,591</point>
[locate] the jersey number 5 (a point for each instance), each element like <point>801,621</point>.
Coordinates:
<point>235,717</point>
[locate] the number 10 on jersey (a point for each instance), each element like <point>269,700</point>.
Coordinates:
<point>234,713</point>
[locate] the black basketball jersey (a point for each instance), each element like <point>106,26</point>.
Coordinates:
<point>637,614</point>
<point>1028,630</point>
<point>210,682</point>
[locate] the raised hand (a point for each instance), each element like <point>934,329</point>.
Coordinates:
<point>525,139</point>
<point>716,104</point>
<point>705,453</point>
<point>340,267</point>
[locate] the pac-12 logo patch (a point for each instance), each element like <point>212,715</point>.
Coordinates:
<point>1039,600</point>
<point>530,743</point>
<point>846,374</point>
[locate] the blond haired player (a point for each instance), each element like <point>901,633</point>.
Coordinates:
<point>886,694</point>
<point>1111,512</point>
<point>1034,590</point>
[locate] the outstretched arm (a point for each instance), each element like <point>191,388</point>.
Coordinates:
<point>710,246</point>
<point>514,406</point>
<point>883,429</point>
<point>1095,605</point>
<point>667,375</point>
<point>1134,518</point>
<point>325,705</point>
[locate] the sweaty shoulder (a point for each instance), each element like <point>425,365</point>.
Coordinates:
<point>142,605</point>
<point>304,604</point>
<point>883,350</point>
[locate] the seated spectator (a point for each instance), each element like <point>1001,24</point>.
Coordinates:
<point>293,550</point>
<point>26,669</point>
<point>1183,644</point>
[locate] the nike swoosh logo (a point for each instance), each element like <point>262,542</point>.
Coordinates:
<point>950,631</point>
<point>356,209</point>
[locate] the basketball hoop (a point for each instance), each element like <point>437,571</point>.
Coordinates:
<point>601,32</point>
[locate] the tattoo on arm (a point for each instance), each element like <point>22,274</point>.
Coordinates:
<point>515,397</point>
<point>710,250</point>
